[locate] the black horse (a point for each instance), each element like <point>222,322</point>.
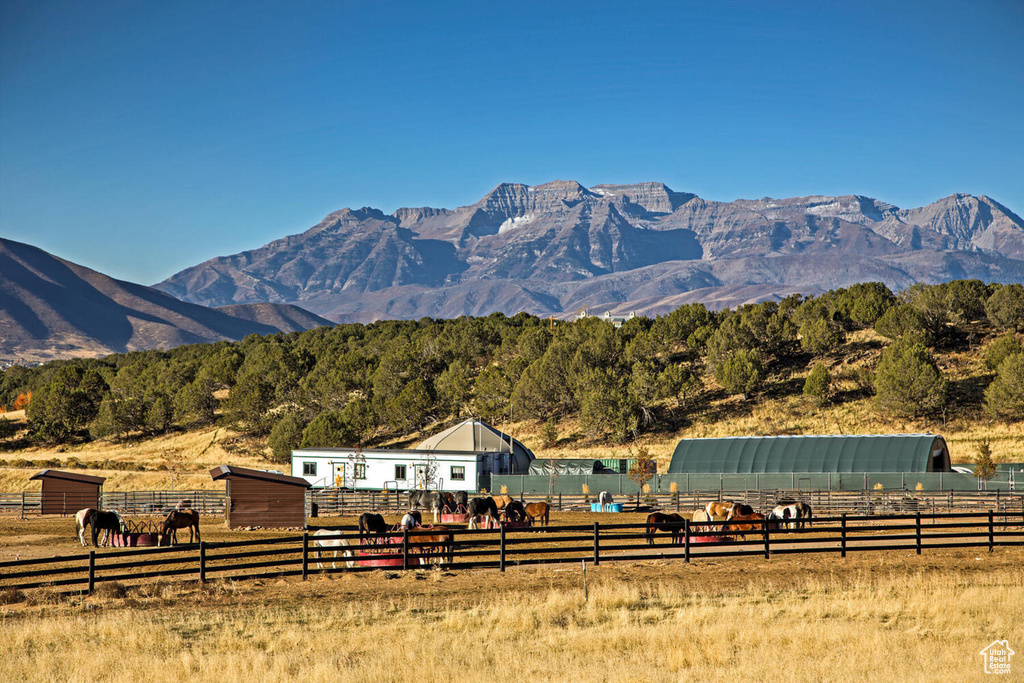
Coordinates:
<point>371,523</point>
<point>484,507</point>
<point>105,520</point>
<point>515,512</point>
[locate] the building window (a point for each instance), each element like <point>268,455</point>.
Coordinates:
<point>309,469</point>
<point>458,473</point>
<point>400,472</point>
<point>360,469</point>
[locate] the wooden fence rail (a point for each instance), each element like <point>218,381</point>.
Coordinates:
<point>297,554</point>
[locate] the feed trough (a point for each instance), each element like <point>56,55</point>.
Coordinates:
<point>610,507</point>
<point>387,553</point>
<point>460,515</point>
<point>141,534</point>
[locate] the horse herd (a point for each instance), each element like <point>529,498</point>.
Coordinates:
<point>432,543</point>
<point>440,502</point>
<point>739,519</point>
<point>110,522</point>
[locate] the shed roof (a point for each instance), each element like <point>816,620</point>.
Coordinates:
<point>813,453</point>
<point>70,476</point>
<point>227,471</point>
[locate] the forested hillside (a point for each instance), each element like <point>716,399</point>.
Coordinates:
<point>943,358</point>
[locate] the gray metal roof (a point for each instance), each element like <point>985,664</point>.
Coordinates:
<point>816,453</point>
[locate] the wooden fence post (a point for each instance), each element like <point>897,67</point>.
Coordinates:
<point>991,531</point>
<point>501,548</point>
<point>597,544</point>
<point>405,548</point>
<point>23,505</point>
<point>767,548</point>
<point>917,522</point>
<point>202,561</point>
<point>559,502</point>
<point>305,555</point>
<point>92,571</point>
<point>686,539</point>
<point>842,541</point>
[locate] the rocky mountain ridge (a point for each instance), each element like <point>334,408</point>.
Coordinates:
<point>552,249</point>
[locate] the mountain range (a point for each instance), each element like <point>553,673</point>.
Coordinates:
<point>560,247</point>
<point>51,308</point>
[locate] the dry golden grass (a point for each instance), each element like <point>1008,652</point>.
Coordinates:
<point>903,625</point>
<point>192,453</point>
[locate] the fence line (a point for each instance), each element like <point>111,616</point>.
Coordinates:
<point>295,555</point>
<point>343,502</point>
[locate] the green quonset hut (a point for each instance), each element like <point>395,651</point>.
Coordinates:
<point>815,454</point>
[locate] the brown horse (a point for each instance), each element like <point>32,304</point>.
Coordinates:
<point>539,511</point>
<point>659,521</point>
<point>727,508</point>
<point>181,519</point>
<point>501,501</point>
<point>432,542</point>
<point>741,525</point>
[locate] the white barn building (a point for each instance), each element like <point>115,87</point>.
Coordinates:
<point>461,458</point>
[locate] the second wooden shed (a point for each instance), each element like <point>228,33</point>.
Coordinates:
<point>262,499</point>
<point>65,493</point>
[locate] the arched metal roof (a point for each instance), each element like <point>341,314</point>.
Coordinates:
<point>817,453</point>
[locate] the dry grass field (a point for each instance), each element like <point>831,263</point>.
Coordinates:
<point>896,616</point>
<point>810,617</point>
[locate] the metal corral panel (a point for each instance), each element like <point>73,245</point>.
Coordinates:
<point>827,453</point>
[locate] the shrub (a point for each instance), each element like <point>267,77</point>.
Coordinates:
<point>741,372</point>
<point>327,429</point>
<point>902,320</point>
<point>821,336</point>
<point>984,468</point>
<point>818,385</point>
<point>286,436</point>
<point>997,351</point>
<point>1005,308</point>
<point>1005,396</point>
<point>907,381</point>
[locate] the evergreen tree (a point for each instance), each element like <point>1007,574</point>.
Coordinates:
<point>1004,398</point>
<point>194,405</point>
<point>1004,346</point>
<point>902,320</point>
<point>286,436</point>
<point>821,336</point>
<point>740,373</point>
<point>1005,308</point>
<point>907,381</point>
<point>328,430</point>
<point>984,467</point>
<point>818,385</point>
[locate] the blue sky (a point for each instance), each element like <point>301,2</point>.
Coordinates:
<point>139,138</point>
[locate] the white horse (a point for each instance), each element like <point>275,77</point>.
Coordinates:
<point>408,522</point>
<point>605,499</point>
<point>334,543</point>
<point>792,515</point>
<point>81,522</point>
<point>701,516</point>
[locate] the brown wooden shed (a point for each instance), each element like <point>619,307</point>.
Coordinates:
<point>262,499</point>
<point>65,493</point>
